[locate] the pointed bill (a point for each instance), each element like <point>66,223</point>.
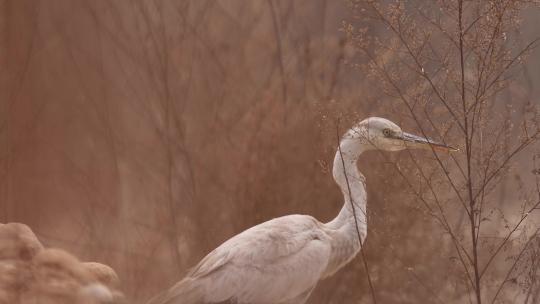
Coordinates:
<point>415,141</point>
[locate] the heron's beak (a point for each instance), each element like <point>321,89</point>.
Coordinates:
<point>414,141</point>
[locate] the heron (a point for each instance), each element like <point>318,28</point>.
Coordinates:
<point>282,260</point>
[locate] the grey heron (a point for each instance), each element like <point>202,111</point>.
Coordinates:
<point>281,260</point>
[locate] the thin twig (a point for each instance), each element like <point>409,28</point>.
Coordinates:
<point>516,260</point>
<point>371,288</point>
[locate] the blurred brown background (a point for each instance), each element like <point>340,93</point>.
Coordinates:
<point>142,134</point>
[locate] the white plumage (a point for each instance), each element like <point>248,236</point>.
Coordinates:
<point>280,261</point>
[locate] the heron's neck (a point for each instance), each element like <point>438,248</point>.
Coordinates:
<point>352,184</point>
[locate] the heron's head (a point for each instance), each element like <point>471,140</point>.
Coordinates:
<point>382,134</point>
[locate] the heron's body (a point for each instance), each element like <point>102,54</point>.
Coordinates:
<point>280,261</point>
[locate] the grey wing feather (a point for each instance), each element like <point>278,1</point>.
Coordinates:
<point>273,262</point>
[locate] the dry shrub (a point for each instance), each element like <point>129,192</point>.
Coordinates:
<point>447,65</point>
<point>33,274</point>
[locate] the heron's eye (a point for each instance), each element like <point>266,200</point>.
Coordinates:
<point>387,132</point>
